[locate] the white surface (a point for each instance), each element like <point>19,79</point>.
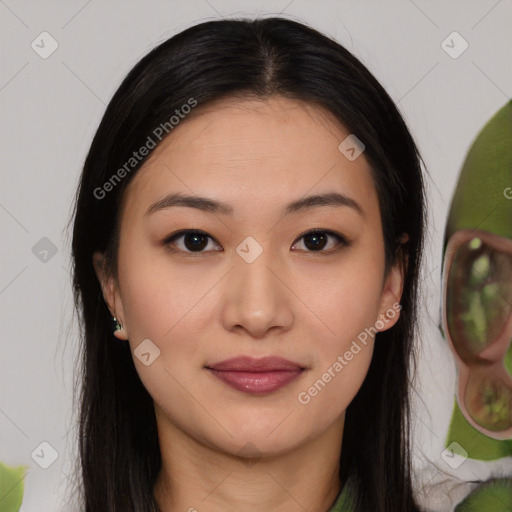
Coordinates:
<point>51,105</point>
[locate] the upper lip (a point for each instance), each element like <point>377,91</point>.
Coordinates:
<point>251,364</point>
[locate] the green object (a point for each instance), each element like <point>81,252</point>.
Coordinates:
<point>11,487</point>
<point>344,502</point>
<point>479,201</point>
<point>482,201</point>
<point>478,445</point>
<point>491,496</point>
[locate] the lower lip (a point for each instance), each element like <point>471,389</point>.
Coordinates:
<point>257,383</point>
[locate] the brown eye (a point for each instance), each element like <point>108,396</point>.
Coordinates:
<point>191,241</point>
<point>196,241</point>
<point>316,240</point>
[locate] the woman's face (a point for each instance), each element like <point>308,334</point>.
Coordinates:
<point>255,283</point>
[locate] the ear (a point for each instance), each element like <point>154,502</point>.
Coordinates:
<point>110,292</point>
<point>392,290</point>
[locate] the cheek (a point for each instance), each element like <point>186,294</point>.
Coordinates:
<point>341,329</point>
<point>329,389</point>
<point>344,349</point>
<point>155,293</point>
<point>164,305</point>
<point>341,301</point>
<point>167,305</point>
<point>346,305</point>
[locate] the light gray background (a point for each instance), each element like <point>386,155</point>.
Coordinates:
<point>51,109</point>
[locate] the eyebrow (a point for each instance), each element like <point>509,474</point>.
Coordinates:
<point>213,206</point>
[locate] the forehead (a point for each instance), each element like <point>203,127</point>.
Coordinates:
<point>251,153</point>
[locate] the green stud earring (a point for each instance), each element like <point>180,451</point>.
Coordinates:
<point>117,325</point>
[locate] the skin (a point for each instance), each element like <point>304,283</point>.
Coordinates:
<point>292,301</point>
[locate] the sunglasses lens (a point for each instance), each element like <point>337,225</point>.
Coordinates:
<point>479,296</point>
<point>489,401</point>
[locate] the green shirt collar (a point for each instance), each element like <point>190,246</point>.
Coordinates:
<point>344,499</point>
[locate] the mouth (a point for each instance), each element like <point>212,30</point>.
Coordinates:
<point>256,376</point>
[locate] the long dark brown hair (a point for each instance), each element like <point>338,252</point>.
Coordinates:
<point>119,456</point>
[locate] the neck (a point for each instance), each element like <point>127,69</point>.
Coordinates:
<point>195,477</point>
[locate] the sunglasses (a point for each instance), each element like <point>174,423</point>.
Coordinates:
<point>477,323</point>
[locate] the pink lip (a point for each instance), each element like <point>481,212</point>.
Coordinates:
<point>251,364</point>
<point>256,376</point>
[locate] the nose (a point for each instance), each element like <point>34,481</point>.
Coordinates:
<point>258,297</point>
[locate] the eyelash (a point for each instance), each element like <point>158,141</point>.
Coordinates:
<point>342,241</point>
